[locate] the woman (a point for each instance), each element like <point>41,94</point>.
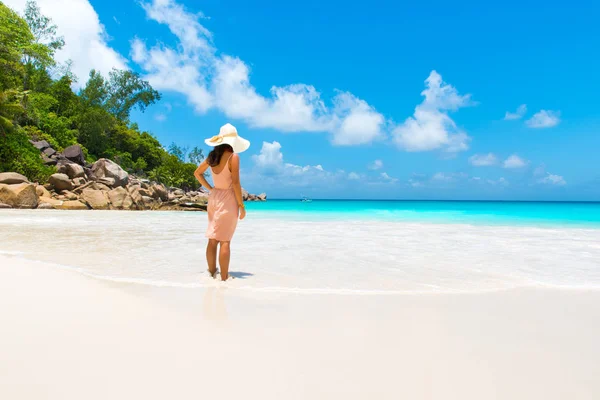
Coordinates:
<point>225,202</point>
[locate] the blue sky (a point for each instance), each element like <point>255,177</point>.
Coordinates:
<point>419,100</point>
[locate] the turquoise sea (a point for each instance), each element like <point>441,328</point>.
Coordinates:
<point>583,214</point>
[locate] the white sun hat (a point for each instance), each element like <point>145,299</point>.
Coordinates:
<point>228,135</point>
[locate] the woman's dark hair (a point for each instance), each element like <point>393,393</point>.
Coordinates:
<point>214,157</point>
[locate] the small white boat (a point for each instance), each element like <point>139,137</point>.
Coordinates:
<point>306,200</point>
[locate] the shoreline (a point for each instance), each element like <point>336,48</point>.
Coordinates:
<point>73,337</point>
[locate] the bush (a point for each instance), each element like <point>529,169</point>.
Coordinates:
<point>18,155</point>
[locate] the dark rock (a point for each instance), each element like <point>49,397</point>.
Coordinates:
<point>41,145</point>
<point>75,154</point>
<point>47,160</point>
<point>60,182</point>
<point>10,178</point>
<point>49,152</point>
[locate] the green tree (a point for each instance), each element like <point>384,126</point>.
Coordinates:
<point>127,90</point>
<point>95,93</point>
<point>11,104</point>
<point>196,156</point>
<point>15,39</point>
<point>42,28</point>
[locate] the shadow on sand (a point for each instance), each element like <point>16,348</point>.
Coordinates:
<point>240,275</point>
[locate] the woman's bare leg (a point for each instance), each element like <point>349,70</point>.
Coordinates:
<point>211,256</point>
<point>224,256</point>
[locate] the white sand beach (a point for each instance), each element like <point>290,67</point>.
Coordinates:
<point>67,335</point>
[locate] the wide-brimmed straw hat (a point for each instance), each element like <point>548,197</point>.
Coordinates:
<point>228,135</point>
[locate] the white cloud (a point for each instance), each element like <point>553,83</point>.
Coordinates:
<point>544,119</point>
<point>359,123</point>
<point>160,117</point>
<point>431,127</point>
<point>223,82</point>
<point>353,176</point>
<point>388,178</point>
<point>499,182</point>
<point>483,160</point>
<point>86,40</point>
<point>270,156</point>
<point>520,113</point>
<point>514,161</point>
<point>551,179</point>
<point>375,165</point>
<point>270,162</point>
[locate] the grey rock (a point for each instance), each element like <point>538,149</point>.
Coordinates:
<point>2,205</point>
<point>79,181</point>
<point>45,206</point>
<point>10,178</point>
<point>262,197</point>
<point>75,154</point>
<point>110,182</point>
<point>160,192</point>
<point>40,145</point>
<point>49,151</point>
<point>104,168</point>
<point>74,170</point>
<point>60,182</point>
<point>47,160</point>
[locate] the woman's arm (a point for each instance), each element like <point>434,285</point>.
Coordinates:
<point>199,174</point>
<point>237,186</point>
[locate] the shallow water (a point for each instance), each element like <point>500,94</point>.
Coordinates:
<point>577,214</point>
<point>286,254</point>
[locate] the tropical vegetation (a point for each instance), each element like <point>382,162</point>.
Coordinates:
<point>37,102</point>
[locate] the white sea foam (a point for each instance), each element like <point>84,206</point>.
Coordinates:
<point>166,249</point>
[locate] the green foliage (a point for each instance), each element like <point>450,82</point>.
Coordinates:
<point>11,104</point>
<point>15,37</point>
<point>59,127</point>
<point>42,28</point>
<point>127,90</point>
<point>97,118</point>
<point>196,156</point>
<point>18,155</point>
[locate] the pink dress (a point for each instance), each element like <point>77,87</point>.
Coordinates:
<point>223,208</point>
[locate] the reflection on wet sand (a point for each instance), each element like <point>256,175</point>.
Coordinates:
<point>213,305</point>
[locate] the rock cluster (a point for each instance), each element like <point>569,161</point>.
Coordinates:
<point>103,185</point>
